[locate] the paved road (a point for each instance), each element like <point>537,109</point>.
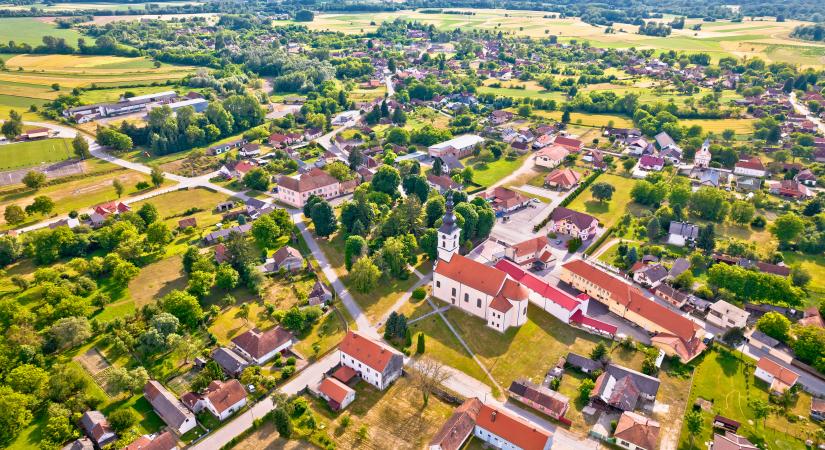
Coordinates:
<point>802,109</point>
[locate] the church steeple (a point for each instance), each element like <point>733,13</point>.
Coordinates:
<point>449,233</point>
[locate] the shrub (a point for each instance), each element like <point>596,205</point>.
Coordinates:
<point>419,293</point>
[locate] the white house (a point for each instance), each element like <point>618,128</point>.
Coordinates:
<point>375,362</point>
<point>750,167</point>
<point>261,346</point>
<point>636,432</point>
<point>504,430</point>
<point>726,316</point>
<point>337,394</point>
<point>777,376</point>
<point>551,156</point>
<point>221,398</point>
<point>536,251</point>
<point>573,223</point>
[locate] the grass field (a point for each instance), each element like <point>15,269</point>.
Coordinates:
<point>729,384</point>
<point>26,30</point>
<point>815,265</point>
<point>607,212</point>
<point>32,153</point>
<point>490,173</point>
<point>766,39</point>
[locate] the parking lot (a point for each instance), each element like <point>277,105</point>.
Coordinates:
<point>518,226</point>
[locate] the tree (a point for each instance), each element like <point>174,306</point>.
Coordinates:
<point>148,213</point>
<point>257,179</point>
<point>354,248</point>
<point>709,203</point>
<point>118,187</point>
<point>184,306</point>
<point>428,376</point>
<point>122,419</point>
<point>742,212</point>
<point>693,419</point>
<point>364,275</point>
<point>654,228</point>
<point>787,227</point>
<point>14,215</point>
<point>158,234</point>
<point>34,179</point>
<point>70,331</point>
<point>282,422</point>
<point>16,415</point>
<point>266,232</point>
<point>734,336</point>
<point>124,272</point>
<point>323,217</point>
<point>628,165</point>
<point>120,379</point>
<point>304,15</point>
<point>41,204</point>
<point>598,352</point>
<point>28,379</point>
<point>226,277</point>
<point>774,325</point>
<point>602,191</point>
<point>419,348</point>
<point>157,176</point>
<point>707,238</point>
<point>761,409</point>
<point>13,127</point>
<point>386,180</point>
<point>799,276</point>
<point>80,146</point>
<point>200,283</point>
<point>585,389</point>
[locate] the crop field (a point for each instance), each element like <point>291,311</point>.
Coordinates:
<point>766,38</point>
<point>50,7</point>
<point>32,85</point>
<point>26,30</point>
<point>27,154</point>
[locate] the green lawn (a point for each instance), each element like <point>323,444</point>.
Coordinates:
<point>815,265</point>
<point>487,174</point>
<point>31,31</point>
<point>33,153</point>
<point>607,212</point>
<point>728,382</point>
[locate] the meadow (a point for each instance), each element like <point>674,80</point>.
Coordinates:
<point>763,38</point>
<point>32,153</point>
<point>29,30</point>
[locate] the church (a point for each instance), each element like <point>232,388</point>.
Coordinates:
<point>473,287</point>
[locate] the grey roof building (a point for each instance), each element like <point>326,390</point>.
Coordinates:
<point>231,363</point>
<point>169,408</point>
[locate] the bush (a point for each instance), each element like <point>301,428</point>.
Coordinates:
<point>142,185</point>
<point>419,293</point>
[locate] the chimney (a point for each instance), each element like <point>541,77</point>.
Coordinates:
<point>493,417</point>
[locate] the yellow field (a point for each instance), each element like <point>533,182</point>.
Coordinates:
<point>764,38</point>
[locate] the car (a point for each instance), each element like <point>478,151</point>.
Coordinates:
<point>558,241</point>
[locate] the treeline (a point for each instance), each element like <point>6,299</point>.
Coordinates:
<point>105,45</point>
<point>814,32</point>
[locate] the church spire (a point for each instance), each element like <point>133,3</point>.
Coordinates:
<point>449,233</point>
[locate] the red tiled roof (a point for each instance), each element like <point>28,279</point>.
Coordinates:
<point>258,343</point>
<point>501,304</point>
<point>568,142</point>
<point>163,441</point>
<point>314,179</point>
<point>779,372</point>
<point>344,374</point>
<point>458,427</point>
<point>634,300</point>
<point>514,429</point>
<point>223,395</point>
<point>753,163</point>
<point>578,317</point>
<point>531,246</point>
<point>638,430</point>
<point>334,389</point>
<point>474,274</point>
<point>537,285</point>
<point>374,354</point>
<point>564,177</point>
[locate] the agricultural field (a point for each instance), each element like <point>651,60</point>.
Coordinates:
<point>33,85</point>
<point>762,38</point>
<point>54,7</point>
<point>32,153</point>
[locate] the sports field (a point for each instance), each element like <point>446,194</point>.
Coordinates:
<point>20,89</point>
<point>764,38</point>
<point>28,154</point>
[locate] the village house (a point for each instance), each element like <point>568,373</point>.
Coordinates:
<point>215,236</point>
<point>219,149</point>
<point>572,145</point>
<point>573,223</point>
<point>337,394</point>
<point>731,441</point>
<point>817,409</point>
<point>624,389</point>
<point>260,346</point>
<point>551,156</point>
<point>649,275</point>
<point>582,363</point>
<point>636,432</point>
<point>536,252</point>
<point>176,416</point>
<point>540,398</point>
<point>96,426</point>
<point>504,200</point>
<point>564,179</point>
<point>543,141</point>
<point>159,441</point>
<point>295,191</point>
<point>499,117</point>
<point>496,426</point>
<point>727,316</point>
<point>777,376</point>
<point>806,177</point>
<point>672,333</point>
<point>702,157</point>
<point>319,294</point>
<point>286,258</point>
<point>230,361</point>
<point>459,146</point>
<point>673,296</point>
<point>249,150</point>
<point>375,362</point>
<point>442,183</point>
<point>651,163</point>
<point>750,167</point>
<point>663,141</point>
<point>789,188</point>
<point>682,233</point>
<point>221,398</point>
